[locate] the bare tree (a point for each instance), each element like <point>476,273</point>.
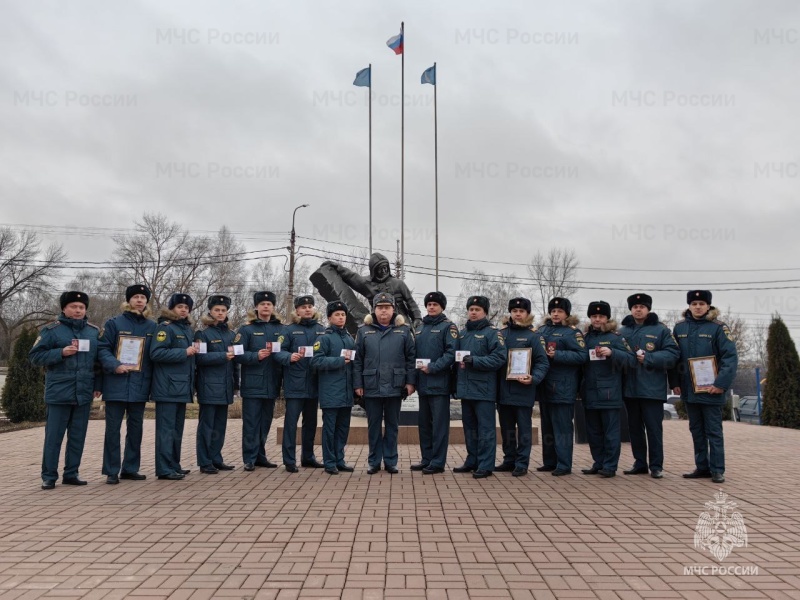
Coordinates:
<point>163,256</point>
<point>105,294</point>
<point>759,332</point>
<point>555,274</point>
<point>26,277</point>
<point>498,288</point>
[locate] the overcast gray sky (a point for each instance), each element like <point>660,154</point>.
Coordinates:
<point>644,135</point>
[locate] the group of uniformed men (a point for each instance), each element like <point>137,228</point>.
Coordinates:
<point>168,362</point>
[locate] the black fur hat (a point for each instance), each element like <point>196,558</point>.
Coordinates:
<point>522,303</point>
<point>70,297</point>
<point>640,298</point>
<point>301,300</point>
<point>599,307</point>
<point>336,305</point>
<point>218,300</point>
<point>179,298</point>
<point>562,303</point>
<point>260,297</point>
<point>702,295</point>
<point>138,288</point>
<point>437,297</point>
<point>481,301</point>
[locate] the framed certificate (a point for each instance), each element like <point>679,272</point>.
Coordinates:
<point>130,350</point>
<point>519,363</point>
<point>704,372</point>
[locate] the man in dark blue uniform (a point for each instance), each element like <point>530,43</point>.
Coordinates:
<point>333,361</point>
<point>701,335</point>
<point>609,357</point>
<point>261,375</point>
<point>126,385</point>
<point>67,349</point>
<point>383,376</point>
<point>216,381</point>
<point>518,393</point>
<point>646,385</point>
<point>300,383</point>
<point>476,385</point>
<point>437,342</point>
<point>173,355</point>
<point>567,352</point>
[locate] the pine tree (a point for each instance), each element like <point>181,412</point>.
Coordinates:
<point>781,406</point>
<point>23,393</point>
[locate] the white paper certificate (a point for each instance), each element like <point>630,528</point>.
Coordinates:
<point>460,354</point>
<point>594,356</point>
<point>238,349</point>
<point>130,350</point>
<point>704,372</point>
<point>349,354</point>
<point>202,347</point>
<point>306,351</point>
<point>275,346</point>
<point>423,362</point>
<point>519,363</point>
<point>84,346</point>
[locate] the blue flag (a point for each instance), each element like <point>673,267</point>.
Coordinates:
<point>364,78</point>
<point>429,75</point>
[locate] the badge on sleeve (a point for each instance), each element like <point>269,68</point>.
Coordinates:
<point>454,332</point>
<point>161,336</point>
<point>317,345</point>
<point>38,339</point>
<point>237,338</point>
<point>649,346</point>
<point>581,343</point>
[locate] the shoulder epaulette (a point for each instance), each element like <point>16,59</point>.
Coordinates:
<point>165,323</point>
<point>93,325</point>
<point>575,327</point>
<point>52,325</point>
<point>718,322</point>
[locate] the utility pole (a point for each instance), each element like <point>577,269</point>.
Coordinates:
<point>290,295</point>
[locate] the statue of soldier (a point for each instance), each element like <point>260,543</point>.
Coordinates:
<point>335,282</point>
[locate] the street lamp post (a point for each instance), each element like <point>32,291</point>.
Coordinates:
<point>290,296</point>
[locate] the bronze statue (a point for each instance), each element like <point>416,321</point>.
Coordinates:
<point>335,282</point>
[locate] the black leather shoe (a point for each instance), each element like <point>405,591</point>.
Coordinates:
<point>545,468</point>
<point>133,476</point>
<point>419,467</point>
<point>73,481</point>
<point>504,467</point>
<point>606,473</point>
<point>312,464</point>
<point>290,468</point>
<point>172,476</point>
<point>481,474</point>
<point>209,470</point>
<point>591,471</point>
<point>112,480</point>
<point>392,470</point>
<point>223,467</point>
<point>266,464</point>
<point>249,467</point>
<point>636,471</point>
<point>184,471</point>
<point>345,468</point>
<point>657,474</point>
<point>333,471</point>
<point>697,474</point>
<point>463,469</point>
<point>560,472</point>
<point>718,478</point>
<point>429,470</point>
<point>519,472</point>
<point>373,470</point>
<point>48,484</point>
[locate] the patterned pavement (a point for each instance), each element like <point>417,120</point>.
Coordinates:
<point>270,534</point>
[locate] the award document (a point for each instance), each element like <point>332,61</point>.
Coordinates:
<point>704,372</point>
<point>130,350</point>
<point>519,363</point>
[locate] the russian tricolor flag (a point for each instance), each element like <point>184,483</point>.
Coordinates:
<point>396,43</point>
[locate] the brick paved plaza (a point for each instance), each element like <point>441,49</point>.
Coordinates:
<point>269,534</point>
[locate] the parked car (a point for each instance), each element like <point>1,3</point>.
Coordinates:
<point>748,411</point>
<point>669,411</point>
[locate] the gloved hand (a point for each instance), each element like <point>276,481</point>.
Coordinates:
<point>467,360</point>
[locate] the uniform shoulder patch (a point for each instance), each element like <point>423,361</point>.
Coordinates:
<point>161,336</point>
<point>38,339</point>
<point>317,345</point>
<point>281,339</point>
<point>500,339</point>
<point>93,325</point>
<point>164,323</point>
<point>237,338</point>
<point>453,331</point>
